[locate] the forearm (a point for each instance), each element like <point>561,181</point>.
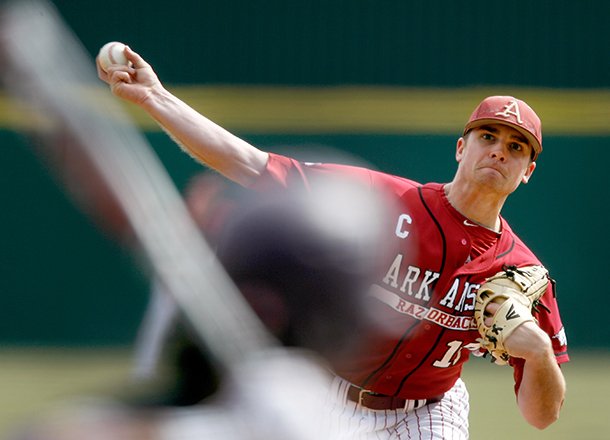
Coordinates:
<point>204,140</point>
<point>542,390</point>
<point>207,142</point>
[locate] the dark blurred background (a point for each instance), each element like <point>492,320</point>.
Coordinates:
<point>335,42</point>
<point>406,74</point>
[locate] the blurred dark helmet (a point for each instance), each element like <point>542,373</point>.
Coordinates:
<point>304,259</point>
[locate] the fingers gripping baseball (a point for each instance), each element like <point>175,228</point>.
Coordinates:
<point>133,80</point>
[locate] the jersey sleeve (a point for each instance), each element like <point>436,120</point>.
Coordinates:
<point>276,174</point>
<point>283,172</point>
<point>549,320</point>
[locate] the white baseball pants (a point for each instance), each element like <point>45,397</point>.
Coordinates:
<point>444,420</point>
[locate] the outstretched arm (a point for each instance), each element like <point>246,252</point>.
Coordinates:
<point>206,141</point>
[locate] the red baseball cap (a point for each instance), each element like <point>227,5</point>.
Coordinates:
<point>512,112</point>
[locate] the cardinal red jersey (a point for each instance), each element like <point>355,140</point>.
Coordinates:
<point>425,291</point>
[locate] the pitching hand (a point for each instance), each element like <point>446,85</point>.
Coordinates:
<point>133,83</point>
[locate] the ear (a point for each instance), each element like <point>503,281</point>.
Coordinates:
<point>528,172</point>
<point>459,149</point>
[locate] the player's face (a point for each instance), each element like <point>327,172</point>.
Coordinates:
<point>496,156</point>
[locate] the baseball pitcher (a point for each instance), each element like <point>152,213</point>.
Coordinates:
<point>457,281</point>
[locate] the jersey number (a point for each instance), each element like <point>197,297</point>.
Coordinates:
<point>453,353</point>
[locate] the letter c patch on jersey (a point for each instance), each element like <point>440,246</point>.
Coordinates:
<point>401,226</point>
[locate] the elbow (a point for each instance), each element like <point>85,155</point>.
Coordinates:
<point>541,401</point>
<point>544,422</point>
<point>544,419</point>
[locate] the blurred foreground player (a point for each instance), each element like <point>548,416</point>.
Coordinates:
<point>304,277</point>
<point>406,383</point>
<point>311,251</point>
<point>170,366</point>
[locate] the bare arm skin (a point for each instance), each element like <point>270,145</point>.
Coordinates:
<point>204,140</point>
<point>543,387</point>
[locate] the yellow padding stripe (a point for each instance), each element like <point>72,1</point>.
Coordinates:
<point>392,110</point>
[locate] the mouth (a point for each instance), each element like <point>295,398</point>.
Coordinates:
<point>494,168</point>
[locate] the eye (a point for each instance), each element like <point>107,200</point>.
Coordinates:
<point>516,146</point>
<point>487,136</point>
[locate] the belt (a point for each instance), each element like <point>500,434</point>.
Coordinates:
<point>372,400</point>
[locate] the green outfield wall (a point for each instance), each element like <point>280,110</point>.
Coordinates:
<point>390,81</point>
<point>543,43</point>
<point>65,281</point>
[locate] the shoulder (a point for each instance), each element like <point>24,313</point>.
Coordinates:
<point>281,167</point>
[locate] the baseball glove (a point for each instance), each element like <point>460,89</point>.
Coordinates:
<point>518,291</point>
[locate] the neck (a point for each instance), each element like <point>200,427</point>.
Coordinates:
<point>476,205</point>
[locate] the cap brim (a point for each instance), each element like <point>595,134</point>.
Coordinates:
<point>487,121</point>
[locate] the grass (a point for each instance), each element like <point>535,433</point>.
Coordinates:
<point>585,416</point>
<point>34,380</point>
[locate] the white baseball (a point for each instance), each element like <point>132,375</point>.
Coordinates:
<point>112,53</point>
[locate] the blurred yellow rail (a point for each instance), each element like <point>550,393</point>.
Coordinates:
<point>351,109</point>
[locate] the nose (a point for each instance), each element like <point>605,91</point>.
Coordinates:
<point>498,152</point>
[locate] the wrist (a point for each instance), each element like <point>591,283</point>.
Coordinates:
<point>541,349</point>
<point>155,99</point>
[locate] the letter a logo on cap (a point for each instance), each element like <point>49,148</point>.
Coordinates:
<point>511,109</point>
